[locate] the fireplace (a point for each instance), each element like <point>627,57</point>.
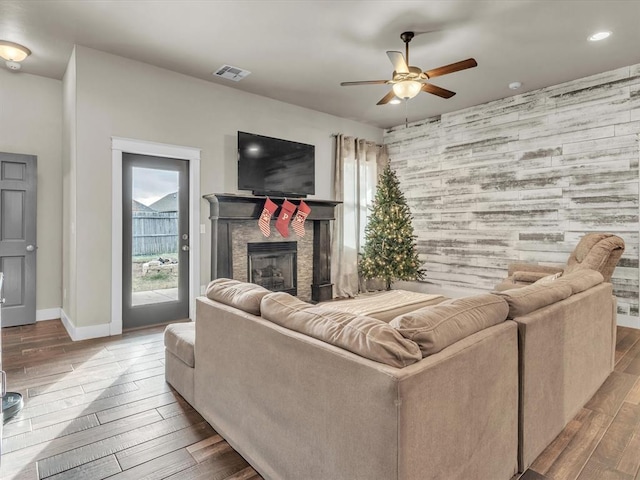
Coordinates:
<point>273,265</point>
<point>234,224</point>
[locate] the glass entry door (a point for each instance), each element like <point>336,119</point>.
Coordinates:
<point>155,200</point>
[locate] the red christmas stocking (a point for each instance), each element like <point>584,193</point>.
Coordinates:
<point>265,217</point>
<point>282,224</point>
<point>301,216</point>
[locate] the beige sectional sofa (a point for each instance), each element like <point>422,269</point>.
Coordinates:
<point>443,391</point>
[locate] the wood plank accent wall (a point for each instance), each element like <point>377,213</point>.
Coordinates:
<point>524,178</point>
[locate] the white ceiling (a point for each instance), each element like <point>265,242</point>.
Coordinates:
<point>300,50</point>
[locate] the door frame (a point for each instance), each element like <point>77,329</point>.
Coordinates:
<point>119,146</point>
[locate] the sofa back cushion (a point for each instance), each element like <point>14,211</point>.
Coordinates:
<point>436,327</point>
<point>362,335</point>
<point>532,297</point>
<point>597,251</point>
<point>578,280</point>
<point>241,295</point>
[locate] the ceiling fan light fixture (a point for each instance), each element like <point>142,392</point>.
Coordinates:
<point>13,52</point>
<point>407,89</point>
<point>395,101</point>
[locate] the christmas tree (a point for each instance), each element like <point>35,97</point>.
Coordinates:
<point>390,246</point>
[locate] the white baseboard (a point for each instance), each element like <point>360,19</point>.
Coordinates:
<point>84,333</point>
<point>47,314</point>
<point>628,321</point>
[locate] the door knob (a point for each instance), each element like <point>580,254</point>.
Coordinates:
<point>185,248</point>
<point>31,248</point>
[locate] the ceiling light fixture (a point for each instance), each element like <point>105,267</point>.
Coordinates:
<point>395,101</point>
<point>515,85</point>
<point>407,89</point>
<point>596,37</point>
<point>13,53</point>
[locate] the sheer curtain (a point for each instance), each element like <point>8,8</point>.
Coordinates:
<point>357,163</point>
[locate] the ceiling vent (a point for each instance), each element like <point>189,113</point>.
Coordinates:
<point>231,73</point>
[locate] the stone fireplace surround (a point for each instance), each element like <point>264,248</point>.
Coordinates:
<point>234,223</point>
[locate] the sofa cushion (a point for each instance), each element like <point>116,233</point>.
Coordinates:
<point>580,280</point>
<point>241,295</point>
<point>436,327</point>
<point>385,306</point>
<point>359,334</point>
<point>532,297</point>
<point>180,339</point>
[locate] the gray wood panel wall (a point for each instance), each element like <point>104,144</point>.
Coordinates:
<point>524,178</point>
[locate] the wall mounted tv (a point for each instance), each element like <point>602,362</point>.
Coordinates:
<point>270,166</point>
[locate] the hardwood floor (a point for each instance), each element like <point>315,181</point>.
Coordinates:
<point>101,409</point>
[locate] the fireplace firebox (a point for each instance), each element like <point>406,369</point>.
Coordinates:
<point>273,265</point>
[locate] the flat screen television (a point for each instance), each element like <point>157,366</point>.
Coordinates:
<point>271,166</point>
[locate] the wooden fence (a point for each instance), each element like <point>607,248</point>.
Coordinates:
<point>155,233</point>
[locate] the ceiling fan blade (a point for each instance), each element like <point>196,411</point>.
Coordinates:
<point>439,91</point>
<point>365,82</point>
<point>398,61</point>
<point>387,98</point>
<point>454,67</point>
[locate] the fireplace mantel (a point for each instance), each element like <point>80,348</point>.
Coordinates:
<point>228,208</point>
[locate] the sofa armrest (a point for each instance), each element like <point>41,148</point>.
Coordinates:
<point>528,277</point>
<point>532,267</point>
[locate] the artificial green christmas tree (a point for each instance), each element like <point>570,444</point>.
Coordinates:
<point>390,246</point>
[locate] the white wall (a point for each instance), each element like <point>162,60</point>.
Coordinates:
<point>120,97</point>
<point>31,123</point>
<point>69,189</point>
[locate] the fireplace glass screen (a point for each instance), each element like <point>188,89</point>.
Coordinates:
<point>273,265</point>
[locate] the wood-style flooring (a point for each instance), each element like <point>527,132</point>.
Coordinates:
<point>101,409</point>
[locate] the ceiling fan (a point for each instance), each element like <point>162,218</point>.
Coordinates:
<point>408,81</point>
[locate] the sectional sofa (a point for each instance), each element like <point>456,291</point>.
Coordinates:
<point>458,388</point>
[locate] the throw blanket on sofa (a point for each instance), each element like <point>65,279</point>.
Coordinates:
<point>386,305</point>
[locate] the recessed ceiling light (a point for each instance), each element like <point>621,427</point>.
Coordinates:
<point>596,37</point>
<point>395,101</point>
<point>515,85</point>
